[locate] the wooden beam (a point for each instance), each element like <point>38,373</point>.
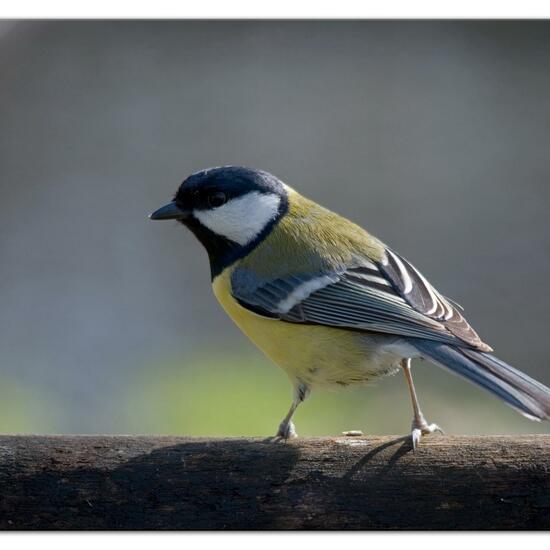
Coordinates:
<point>141,482</point>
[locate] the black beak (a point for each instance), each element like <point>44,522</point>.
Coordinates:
<point>170,211</point>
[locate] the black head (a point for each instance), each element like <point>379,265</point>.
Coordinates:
<point>230,209</point>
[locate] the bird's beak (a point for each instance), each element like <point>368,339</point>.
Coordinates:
<point>170,211</point>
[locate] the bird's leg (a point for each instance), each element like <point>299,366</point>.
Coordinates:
<point>286,427</point>
<point>419,425</point>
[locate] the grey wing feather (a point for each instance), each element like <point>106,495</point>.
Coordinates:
<point>423,297</point>
<point>351,304</point>
<point>389,297</point>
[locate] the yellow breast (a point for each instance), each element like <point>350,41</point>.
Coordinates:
<point>313,354</point>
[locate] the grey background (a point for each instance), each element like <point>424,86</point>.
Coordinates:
<point>433,135</point>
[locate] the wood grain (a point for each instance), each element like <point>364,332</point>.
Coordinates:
<point>141,482</point>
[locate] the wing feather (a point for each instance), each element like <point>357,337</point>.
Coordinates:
<point>423,297</point>
<point>389,296</point>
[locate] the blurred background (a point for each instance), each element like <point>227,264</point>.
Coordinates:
<point>433,135</point>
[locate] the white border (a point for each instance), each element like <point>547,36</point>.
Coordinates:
<point>293,9</point>
<point>285,9</point>
<point>273,540</point>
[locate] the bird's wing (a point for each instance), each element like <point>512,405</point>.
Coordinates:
<point>387,296</point>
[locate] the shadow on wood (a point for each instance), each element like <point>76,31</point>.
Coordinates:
<point>126,482</point>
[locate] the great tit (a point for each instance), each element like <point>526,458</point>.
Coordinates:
<point>325,300</point>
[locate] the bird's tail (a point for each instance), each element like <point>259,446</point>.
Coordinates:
<point>527,396</point>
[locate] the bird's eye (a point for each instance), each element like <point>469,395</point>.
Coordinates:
<point>216,199</point>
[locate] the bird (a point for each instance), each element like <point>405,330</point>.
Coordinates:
<point>328,302</point>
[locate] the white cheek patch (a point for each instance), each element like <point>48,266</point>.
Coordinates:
<point>241,220</point>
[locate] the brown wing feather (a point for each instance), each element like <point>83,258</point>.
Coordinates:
<point>423,297</point>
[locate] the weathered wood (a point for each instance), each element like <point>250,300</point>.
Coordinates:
<point>126,482</point>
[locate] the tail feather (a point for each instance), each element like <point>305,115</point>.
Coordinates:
<point>527,396</point>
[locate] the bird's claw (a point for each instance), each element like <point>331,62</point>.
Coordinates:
<point>415,436</point>
<point>420,429</point>
<point>286,431</point>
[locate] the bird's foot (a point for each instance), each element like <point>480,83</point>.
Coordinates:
<point>286,431</point>
<point>419,428</point>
